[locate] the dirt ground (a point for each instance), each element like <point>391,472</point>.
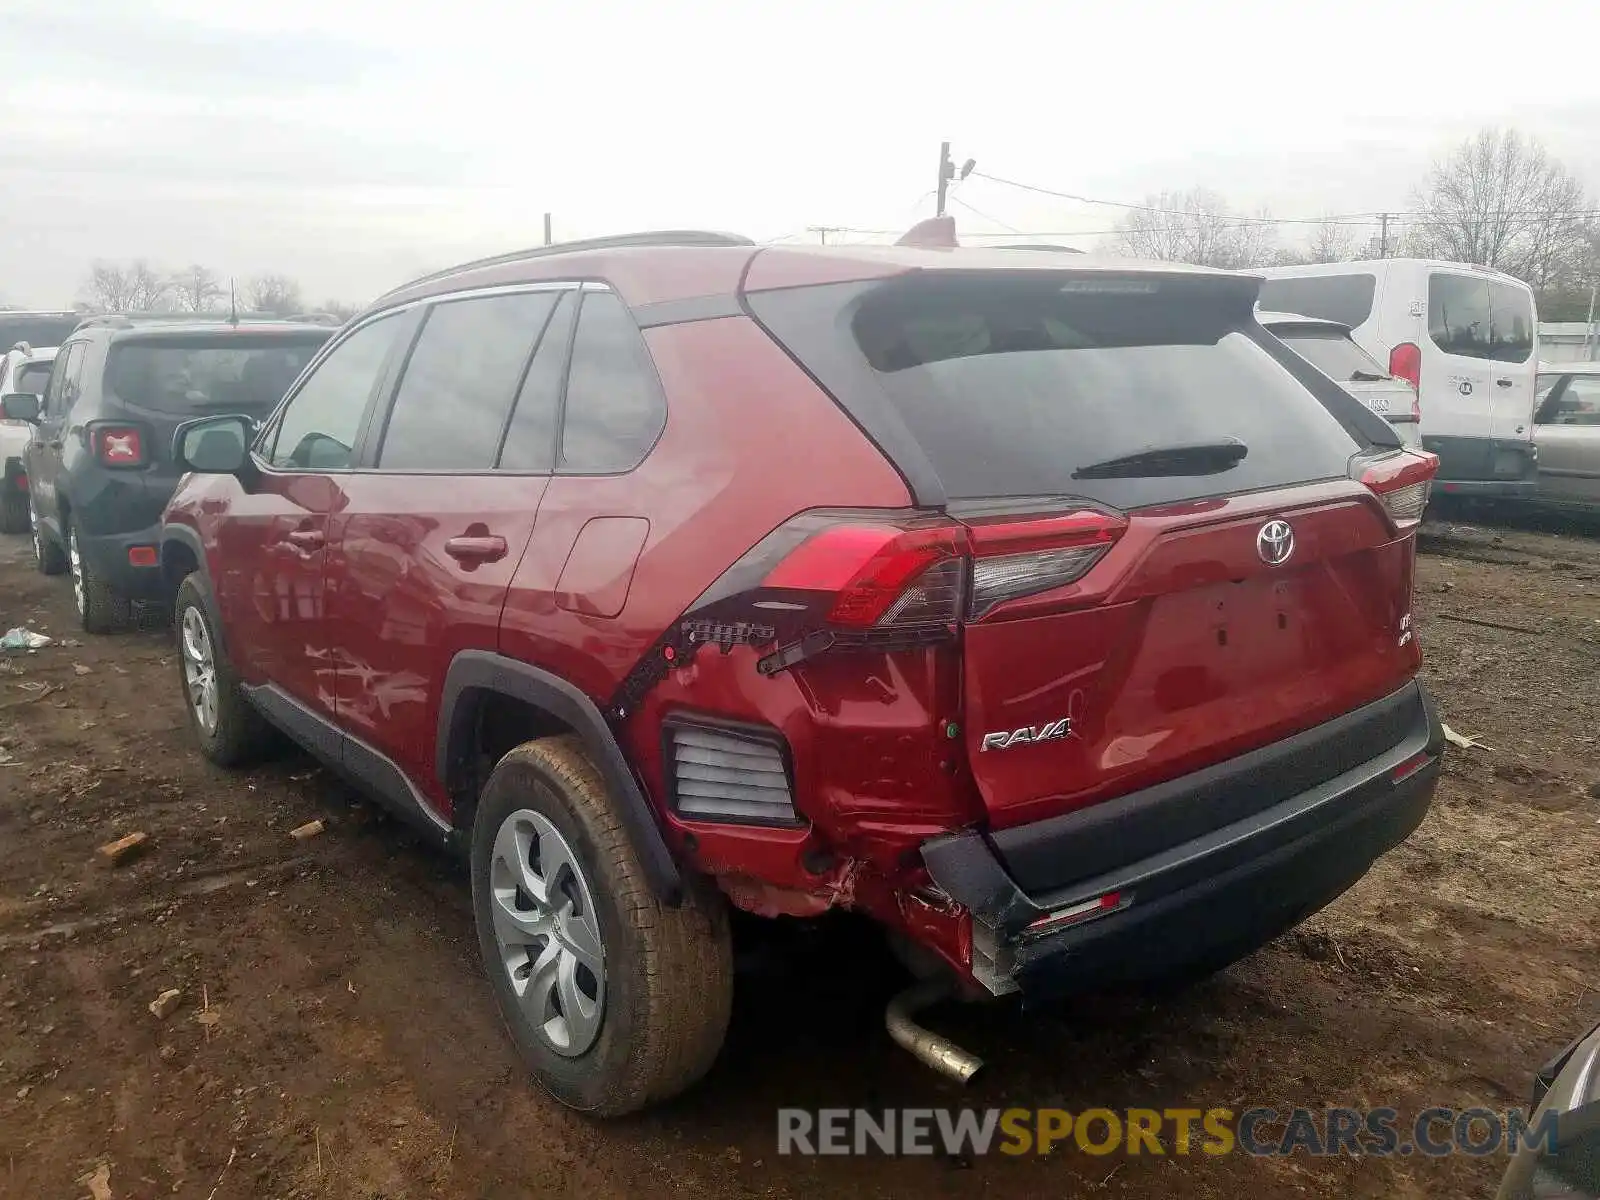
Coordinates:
<point>335,1038</point>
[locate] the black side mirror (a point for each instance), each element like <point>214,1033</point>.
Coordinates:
<point>214,445</point>
<point>20,406</point>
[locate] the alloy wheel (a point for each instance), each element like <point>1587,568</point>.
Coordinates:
<point>200,669</point>
<point>548,932</point>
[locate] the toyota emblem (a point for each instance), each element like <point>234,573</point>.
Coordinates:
<point>1275,543</point>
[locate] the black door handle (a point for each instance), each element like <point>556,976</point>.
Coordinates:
<point>1503,382</point>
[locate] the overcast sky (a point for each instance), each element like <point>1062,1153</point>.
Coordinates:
<point>352,144</point>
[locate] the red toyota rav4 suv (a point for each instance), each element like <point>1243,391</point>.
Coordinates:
<point>1044,609</point>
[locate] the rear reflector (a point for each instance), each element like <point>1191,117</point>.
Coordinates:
<point>1077,914</point>
<point>1402,482</point>
<point>1410,767</point>
<point>22,482</point>
<point>721,774</point>
<point>142,556</point>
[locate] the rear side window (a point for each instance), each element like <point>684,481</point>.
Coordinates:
<point>1346,299</point>
<point>1478,317</point>
<point>460,381</point>
<point>1017,386</point>
<point>1333,353</point>
<point>185,377</point>
<point>32,378</point>
<point>614,406</point>
<point>531,440</point>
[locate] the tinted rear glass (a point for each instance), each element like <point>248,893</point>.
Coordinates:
<point>1332,353</point>
<point>1343,298</point>
<point>36,330</point>
<point>1478,317</point>
<point>33,378</point>
<point>1012,386</point>
<point>242,373</point>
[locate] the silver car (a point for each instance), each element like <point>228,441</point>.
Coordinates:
<point>1565,1163</point>
<point>1327,346</point>
<point>1566,430</point>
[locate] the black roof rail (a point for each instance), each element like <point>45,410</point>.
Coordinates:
<point>617,241</point>
<point>114,320</point>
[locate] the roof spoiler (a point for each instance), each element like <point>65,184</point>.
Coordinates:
<point>935,233</point>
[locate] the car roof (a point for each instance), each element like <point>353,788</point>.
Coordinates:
<point>135,331</point>
<point>1569,368</point>
<point>656,268</point>
<point>1373,265</point>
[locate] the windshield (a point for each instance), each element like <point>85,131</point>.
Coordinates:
<point>1332,353</point>
<point>1014,388</point>
<point>241,373</point>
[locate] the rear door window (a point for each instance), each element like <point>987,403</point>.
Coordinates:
<point>1478,317</point>
<point>1580,403</point>
<point>530,443</point>
<point>188,376</point>
<point>1346,299</point>
<point>460,381</point>
<point>1013,388</point>
<point>64,377</point>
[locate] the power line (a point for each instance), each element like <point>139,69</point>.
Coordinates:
<point>1360,218</point>
<point>976,211</point>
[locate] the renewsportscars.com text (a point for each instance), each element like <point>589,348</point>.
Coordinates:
<point>1259,1132</point>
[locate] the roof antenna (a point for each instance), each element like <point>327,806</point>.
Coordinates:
<point>233,305</point>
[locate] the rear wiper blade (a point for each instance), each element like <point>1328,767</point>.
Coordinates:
<point>1195,458</point>
<point>1368,377</point>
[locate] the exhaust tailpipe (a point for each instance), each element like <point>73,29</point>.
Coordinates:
<point>943,1055</point>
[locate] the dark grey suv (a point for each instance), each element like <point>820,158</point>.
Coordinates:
<point>100,465</point>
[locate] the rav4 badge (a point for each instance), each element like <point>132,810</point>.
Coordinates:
<point>1028,735</point>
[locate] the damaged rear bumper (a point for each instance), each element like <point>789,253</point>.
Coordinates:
<point>1287,848</point>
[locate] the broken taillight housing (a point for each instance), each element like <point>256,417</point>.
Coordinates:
<point>1402,482</point>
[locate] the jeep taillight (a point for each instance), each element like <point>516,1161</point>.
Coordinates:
<point>118,445</point>
<point>1402,482</point>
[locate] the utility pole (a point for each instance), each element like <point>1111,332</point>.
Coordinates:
<point>1383,235</point>
<point>823,231</point>
<point>947,170</point>
<point>547,229</point>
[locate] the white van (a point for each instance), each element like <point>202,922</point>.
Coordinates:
<point>1463,336</point>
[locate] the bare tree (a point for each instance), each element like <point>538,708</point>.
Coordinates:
<point>276,294</point>
<point>1196,226</point>
<point>1331,242</point>
<point>1500,200</point>
<point>134,287</point>
<point>197,288</point>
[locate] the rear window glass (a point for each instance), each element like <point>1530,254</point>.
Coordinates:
<point>1012,388</point>
<point>32,378</point>
<point>241,373</point>
<point>1332,353</point>
<point>1343,298</point>
<point>1477,317</point>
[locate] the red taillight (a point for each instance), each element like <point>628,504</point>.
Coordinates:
<point>22,483</point>
<point>879,575</point>
<point>1405,362</point>
<point>1016,558</point>
<point>142,556</point>
<point>1402,482</point>
<point>118,445</point>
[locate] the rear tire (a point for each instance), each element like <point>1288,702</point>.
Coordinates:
<point>101,609</point>
<point>556,887</point>
<point>14,513</point>
<point>231,732</point>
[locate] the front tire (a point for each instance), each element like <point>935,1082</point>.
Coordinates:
<point>230,731</point>
<point>101,609</point>
<point>614,1000</point>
